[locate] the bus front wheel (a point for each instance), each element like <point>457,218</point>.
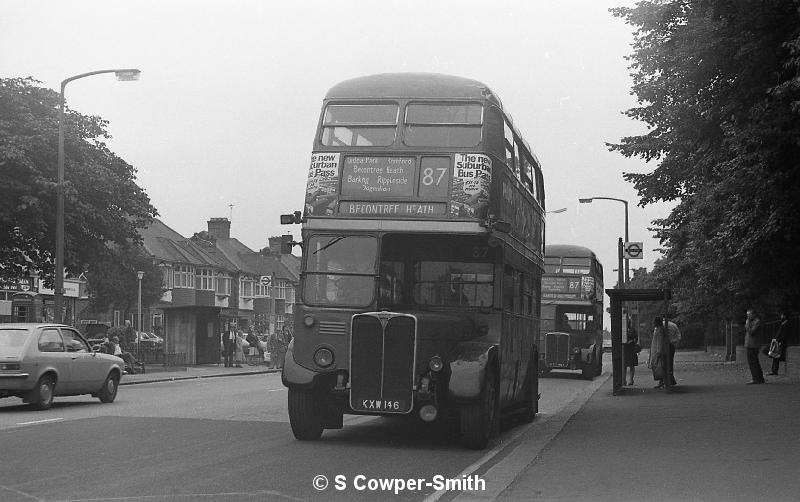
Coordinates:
<point>304,414</point>
<point>478,418</point>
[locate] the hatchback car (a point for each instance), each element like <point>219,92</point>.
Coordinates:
<point>41,361</point>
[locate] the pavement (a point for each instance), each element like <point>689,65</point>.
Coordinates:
<point>158,373</point>
<point>713,439</point>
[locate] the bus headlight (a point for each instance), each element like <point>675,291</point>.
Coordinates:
<point>308,320</point>
<point>436,363</point>
<point>323,357</point>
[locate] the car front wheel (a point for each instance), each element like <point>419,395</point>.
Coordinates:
<point>109,391</point>
<point>41,397</point>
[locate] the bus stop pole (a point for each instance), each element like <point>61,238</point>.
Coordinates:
<point>617,367</point>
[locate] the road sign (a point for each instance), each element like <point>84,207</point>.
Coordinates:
<point>265,280</point>
<point>632,251</point>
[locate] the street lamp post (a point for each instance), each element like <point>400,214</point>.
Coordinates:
<point>625,202</point>
<point>139,276</point>
<point>58,294</point>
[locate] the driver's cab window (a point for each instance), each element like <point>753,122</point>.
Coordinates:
<point>50,341</point>
<point>74,342</point>
<point>341,270</point>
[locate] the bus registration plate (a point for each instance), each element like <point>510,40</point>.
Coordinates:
<point>381,405</point>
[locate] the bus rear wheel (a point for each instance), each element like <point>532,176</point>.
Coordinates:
<point>478,418</point>
<point>589,371</point>
<point>304,414</point>
<point>532,403</point>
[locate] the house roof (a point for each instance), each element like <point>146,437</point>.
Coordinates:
<point>165,244</point>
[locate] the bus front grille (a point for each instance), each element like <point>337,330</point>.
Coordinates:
<point>382,350</point>
<point>557,349</point>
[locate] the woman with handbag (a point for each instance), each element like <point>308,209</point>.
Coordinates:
<point>657,352</point>
<point>630,353</point>
<point>780,337</point>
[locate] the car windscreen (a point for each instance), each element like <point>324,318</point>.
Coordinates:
<point>12,341</point>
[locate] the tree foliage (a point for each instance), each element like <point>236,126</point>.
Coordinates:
<point>718,86</point>
<point>103,204</point>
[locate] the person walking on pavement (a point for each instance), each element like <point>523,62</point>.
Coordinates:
<point>752,343</point>
<point>780,336</point>
<point>629,353</point>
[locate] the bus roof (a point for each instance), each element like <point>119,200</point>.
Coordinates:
<point>570,250</point>
<point>412,85</point>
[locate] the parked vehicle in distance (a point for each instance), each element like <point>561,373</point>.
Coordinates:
<point>148,338</point>
<point>39,361</point>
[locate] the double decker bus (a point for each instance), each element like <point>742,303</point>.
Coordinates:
<point>423,246</point>
<point>572,311</point>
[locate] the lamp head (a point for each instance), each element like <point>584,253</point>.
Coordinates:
<point>139,275</point>
<point>585,201</point>
<point>127,75</point>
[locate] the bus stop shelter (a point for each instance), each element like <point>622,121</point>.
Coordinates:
<point>618,296</point>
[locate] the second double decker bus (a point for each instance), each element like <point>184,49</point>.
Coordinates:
<point>422,240</point>
<point>572,311</point>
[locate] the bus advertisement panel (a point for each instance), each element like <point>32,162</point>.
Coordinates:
<point>420,186</point>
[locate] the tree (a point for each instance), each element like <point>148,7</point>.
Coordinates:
<point>717,85</point>
<point>114,280</point>
<point>104,206</point>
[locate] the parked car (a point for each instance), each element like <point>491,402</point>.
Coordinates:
<point>40,361</point>
<point>148,339</point>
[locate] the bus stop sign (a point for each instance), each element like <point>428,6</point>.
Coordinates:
<point>632,251</point>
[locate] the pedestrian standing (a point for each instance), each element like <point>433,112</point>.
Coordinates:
<point>673,337</point>
<point>630,354</point>
<point>253,355</point>
<point>752,343</point>
<point>238,357</point>
<point>656,361</point>
<point>781,336</point>
<point>229,345</point>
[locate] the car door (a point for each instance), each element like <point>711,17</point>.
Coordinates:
<point>88,370</point>
<point>52,354</point>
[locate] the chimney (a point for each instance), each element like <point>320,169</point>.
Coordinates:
<point>275,246</point>
<point>219,228</point>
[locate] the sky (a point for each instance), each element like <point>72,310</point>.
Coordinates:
<point>222,120</point>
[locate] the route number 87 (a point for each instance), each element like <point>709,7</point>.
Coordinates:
<point>431,176</point>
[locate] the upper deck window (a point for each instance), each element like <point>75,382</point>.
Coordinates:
<point>359,125</point>
<point>442,124</point>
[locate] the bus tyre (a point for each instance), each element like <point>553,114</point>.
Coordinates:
<point>478,418</point>
<point>532,394</point>
<point>599,365</point>
<point>304,414</point>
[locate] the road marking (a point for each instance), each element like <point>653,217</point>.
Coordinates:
<point>275,390</point>
<point>41,421</point>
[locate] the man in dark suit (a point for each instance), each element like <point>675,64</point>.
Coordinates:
<point>228,346</point>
